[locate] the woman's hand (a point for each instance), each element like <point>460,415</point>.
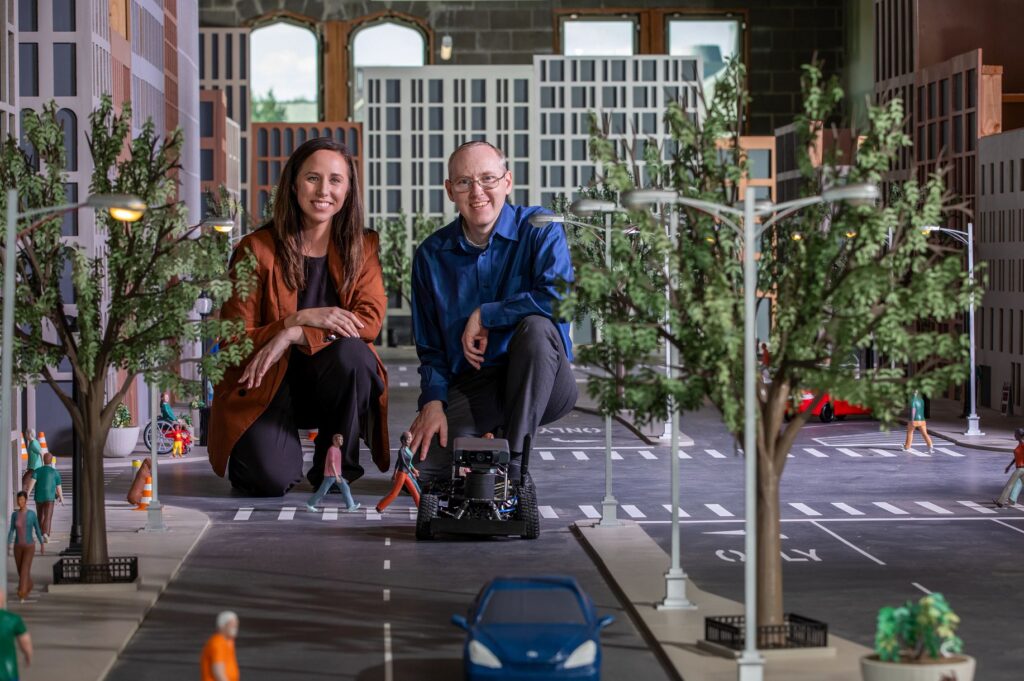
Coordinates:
<point>340,322</point>
<point>268,356</point>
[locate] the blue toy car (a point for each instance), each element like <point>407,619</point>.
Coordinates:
<point>535,628</point>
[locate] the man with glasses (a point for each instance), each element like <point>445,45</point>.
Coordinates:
<point>494,356</point>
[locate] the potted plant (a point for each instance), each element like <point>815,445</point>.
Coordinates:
<point>122,436</point>
<point>918,642</point>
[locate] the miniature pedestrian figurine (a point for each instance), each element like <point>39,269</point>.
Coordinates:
<point>47,485</point>
<point>24,527</point>
<point>917,421</point>
<point>405,475</point>
<point>332,475</point>
<point>166,413</point>
<point>12,632</point>
<point>1011,489</point>
<point>35,458</point>
<point>218,661</point>
<point>178,434</point>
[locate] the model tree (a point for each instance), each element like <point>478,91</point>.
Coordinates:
<point>844,281</point>
<point>134,293</point>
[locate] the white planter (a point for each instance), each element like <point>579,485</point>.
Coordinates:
<point>121,442</point>
<point>960,668</point>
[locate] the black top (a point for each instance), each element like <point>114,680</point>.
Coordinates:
<point>320,290</point>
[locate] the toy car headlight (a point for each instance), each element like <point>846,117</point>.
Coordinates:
<point>482,655</point>
<point>582,656</point>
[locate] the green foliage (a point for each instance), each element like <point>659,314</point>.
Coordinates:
<point>122,417</point>
<point>909,632</point>
<point>267,109</point>
<point>396,249</point>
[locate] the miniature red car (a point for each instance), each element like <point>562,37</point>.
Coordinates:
<point>829,409</point>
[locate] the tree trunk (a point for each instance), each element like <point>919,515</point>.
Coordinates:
<point>769,546</point>
<point>93,501</point>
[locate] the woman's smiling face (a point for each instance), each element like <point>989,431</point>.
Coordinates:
<point>321,186</point>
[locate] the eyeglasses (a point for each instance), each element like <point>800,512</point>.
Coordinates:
<point>464,184</point>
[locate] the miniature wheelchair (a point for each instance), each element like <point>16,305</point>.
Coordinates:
<point>481,497</point>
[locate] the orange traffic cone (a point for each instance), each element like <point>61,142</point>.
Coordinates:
<point>42,443</point>
<point>147,495</point>
<point>24,452</point>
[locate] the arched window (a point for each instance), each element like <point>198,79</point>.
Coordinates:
<point>69,123</point>
<point>285,73</point>
<point>383,43</point>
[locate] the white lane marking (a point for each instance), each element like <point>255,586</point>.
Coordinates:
<point>932,507</point>
<point>331,513</point>
<point>852,546</point>
<point>545,455</point>
<point>849,452</point>
<point>387,595</point>
<point>590,511</point>
<point>917,453</point>
<point>886,506</point>
<point>947,450</point>
<point>846,508</point>
<point>715,454</point>
<point>413,512</point>
<point>243,513</point>
<point>387,541</point>
<point>580,456</point>
<point>647,454</point>
<point>387,564</point>
<point>389,672</point>
<point>804,508</point>
<point>817,453</point>
<point>974,506</point>
<point>882,452</point>
<point>682,513</point>
<point>287,513</point>
<point>920,588</point>
<point>1015,529</point>
<point>632,511</point>
<point>684,455</point>
<point>547,512</point>
<point>372,514</point>
<point>616,456</point>
<point>718,510</point>
<point>403,368</point>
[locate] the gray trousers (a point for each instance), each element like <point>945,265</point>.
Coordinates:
<point>533,388</point>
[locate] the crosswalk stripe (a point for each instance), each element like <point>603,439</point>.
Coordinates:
<point>917,453</point>
<point>546,455</point>
<point>815,452</point>
<point>581,456</point>
<point>331,513</point>
<point>590,511</point>
<point>684,455</point>
<point>372,514</point>
<point>932,507</point>
<point>647,454</point>
<point>633,511</point>
<point>886,506</point>
<point>413,512</point>
<point>718,510</point>
<point>804,508</point>
<point>715,454</point>
<point>849,452</point>
<point>846,508</point>
<point>947,450</point>
<point>287,513</point>
<point>244,513</point>
<point>616,456</point>
<point>882,452</point>
<point>682,513</point>
<point>974,506</point>
<point>547,512</point>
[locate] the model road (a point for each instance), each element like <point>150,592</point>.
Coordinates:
<point>327,595</point>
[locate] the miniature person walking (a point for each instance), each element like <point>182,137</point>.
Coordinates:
<point>332,475</point>
<point>24,526</point>
<point>12,631</point>
<point>917,421</point>
<point>1011,489</point>
<point>35,458</point>
<point>405,475</point>
<point>218,661</point>
<point>47,485</point>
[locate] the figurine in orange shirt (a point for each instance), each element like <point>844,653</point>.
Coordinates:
<point>218,661</point>
<point>405,475</point>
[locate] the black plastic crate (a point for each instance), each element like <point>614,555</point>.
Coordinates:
<point>795,632</point>
<point>117,570</point>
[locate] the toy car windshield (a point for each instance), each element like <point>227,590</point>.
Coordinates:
<point>533,606</point>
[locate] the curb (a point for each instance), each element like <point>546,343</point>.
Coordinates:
<point>963,441</point>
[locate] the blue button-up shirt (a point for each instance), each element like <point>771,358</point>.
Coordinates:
<point>522,272</point>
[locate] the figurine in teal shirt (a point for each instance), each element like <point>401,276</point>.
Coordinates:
<point>35,458</point>
<point>916,421</point>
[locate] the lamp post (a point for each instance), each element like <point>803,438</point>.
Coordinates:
<point>121,207</point>
<point>967,238</point>
<point>203,307</point>
<point>751,662</point>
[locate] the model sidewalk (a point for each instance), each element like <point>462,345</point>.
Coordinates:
<point>78,635</point>
<point>945,422</point>
<point>635,566</point>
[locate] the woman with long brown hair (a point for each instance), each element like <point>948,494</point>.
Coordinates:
<point>314,312</point>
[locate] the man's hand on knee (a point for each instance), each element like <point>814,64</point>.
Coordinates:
<point>429,422</point>
<point>474,340</point>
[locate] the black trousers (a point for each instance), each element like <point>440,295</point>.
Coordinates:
<point>331,391</point>
<point>533,388</point>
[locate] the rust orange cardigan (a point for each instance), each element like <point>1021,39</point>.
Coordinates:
<point>264,312</point>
